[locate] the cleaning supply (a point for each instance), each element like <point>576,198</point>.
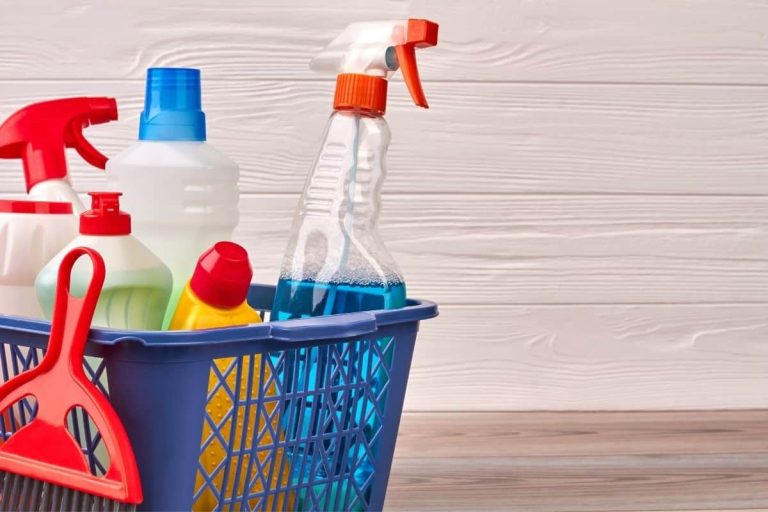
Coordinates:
<point>137,285</point>
<point>215,296</point>
<point>31,233</point>
<point>42,467</point>
<point>38,134</point>
<point>182,191</point>
<point>336,261</point>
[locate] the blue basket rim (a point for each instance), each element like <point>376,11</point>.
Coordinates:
<point>339,326</point>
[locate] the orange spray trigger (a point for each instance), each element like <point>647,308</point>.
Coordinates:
<point>420,34</point>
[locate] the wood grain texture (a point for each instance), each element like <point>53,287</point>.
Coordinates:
<point>600,462</point>
<point>582,484</point>
<point>683,41</point>
<point>591,358</point>
<point>476,138</point>
<point>500,249</point>
<point>437,435</point>
<point>578,153</point>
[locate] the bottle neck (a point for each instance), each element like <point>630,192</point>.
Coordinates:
<point>348,173</point>
<point>335,235</point>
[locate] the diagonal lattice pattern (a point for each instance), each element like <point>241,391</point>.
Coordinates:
<point>291,430</point>
<point>294,430</point>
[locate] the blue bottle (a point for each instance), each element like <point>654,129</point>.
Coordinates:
<point>336,261</point>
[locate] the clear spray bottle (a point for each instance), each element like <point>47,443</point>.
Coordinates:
<point>336,261</point>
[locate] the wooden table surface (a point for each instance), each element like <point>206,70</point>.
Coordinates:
<point>539,462</point>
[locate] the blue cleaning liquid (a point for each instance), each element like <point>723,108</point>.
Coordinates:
<point>302,299</point>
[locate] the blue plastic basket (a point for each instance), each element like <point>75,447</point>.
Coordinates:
<point>161,382</point>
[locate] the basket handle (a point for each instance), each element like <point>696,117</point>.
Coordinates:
<point>346,325</point>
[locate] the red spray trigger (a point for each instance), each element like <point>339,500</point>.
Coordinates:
<point>39,133</point>
<point>420,34</point>
<point>102,110</point>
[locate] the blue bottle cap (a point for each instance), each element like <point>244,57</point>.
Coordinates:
<point>172,106</point>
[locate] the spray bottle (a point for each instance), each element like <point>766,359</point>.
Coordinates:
<point>39,134</point>
<point>35,229</point>
<point>336,261</point>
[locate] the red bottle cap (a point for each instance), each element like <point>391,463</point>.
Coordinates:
<point>42,207</point>
<point>222,276</point>
<point>105,217</point>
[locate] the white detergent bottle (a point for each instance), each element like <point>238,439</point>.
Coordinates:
<point>182,192</point>
<point>137,285</point>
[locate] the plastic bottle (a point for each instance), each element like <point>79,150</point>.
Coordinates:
<point>39,133</point>
<point>33,231</point>
<point>215,296</point>
<point>336,261</point>
<point>182,191</point>
<point>137,285</point>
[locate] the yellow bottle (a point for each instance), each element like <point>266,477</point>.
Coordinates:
<point>215,297</point>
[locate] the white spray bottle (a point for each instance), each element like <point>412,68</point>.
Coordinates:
<point>35,229</point>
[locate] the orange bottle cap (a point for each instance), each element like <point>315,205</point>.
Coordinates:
<point>361,92</point>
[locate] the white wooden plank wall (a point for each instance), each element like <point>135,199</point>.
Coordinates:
<point>587,198</point>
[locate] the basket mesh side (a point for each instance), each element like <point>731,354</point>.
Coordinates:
<point>15,359</point>
<point>294,430</point>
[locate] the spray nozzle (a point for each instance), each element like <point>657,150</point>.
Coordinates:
<point>39,134</point>
<point>365,55</point>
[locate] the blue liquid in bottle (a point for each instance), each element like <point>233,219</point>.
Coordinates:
<point>304,299</point>
<point>336,262</point>
<point>307,298</point>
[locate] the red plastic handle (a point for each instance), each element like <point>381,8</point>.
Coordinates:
<point>72,315</point>
<point>71,321</point>
<point>43,449</point>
